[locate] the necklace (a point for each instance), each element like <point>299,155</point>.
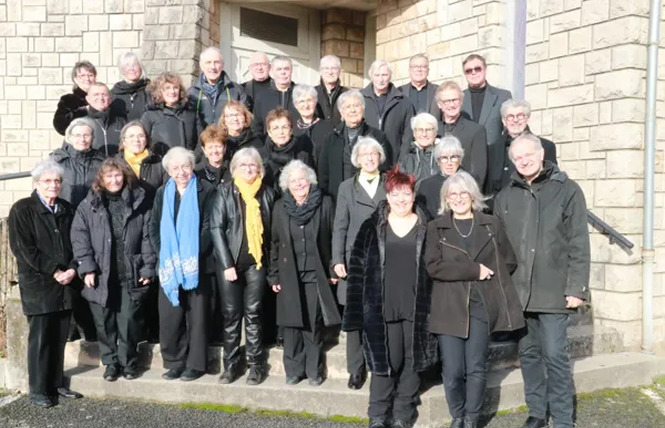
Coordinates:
<point>473,219</point>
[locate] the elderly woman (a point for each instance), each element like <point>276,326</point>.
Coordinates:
<point>299,271</point>
<point>448,154</point>
<point>387,300</point>
<point>214,167</point>
<point>110,240</point>
<point>334,164</point>
<point>358,198</point>
<point>72,106</point>
<point>470,260</point>
<point>418,158</point>
<point>282,146</point>
<point>241,222</point>
<point>170,120</point>
<point>140,156</point>
<point>310,122</point>
<point>180,235</point>
<point>235,121</point>
<point>130,95</point>
<point>39,238</point>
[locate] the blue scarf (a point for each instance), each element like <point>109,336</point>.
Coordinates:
<point>179,249</point>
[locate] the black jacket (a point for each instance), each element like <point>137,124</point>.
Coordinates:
<point>255,90</point>
<point>283,267</point>
<point>429,193</point>
<point>228,223</point>
<point>365,291</point>
<point>395,121</point>
<point>92,238</point>
<point>317,133</point>
<point>419,162</point>
<point>208,110</point>
<point>490,112</point>
<point>454,269</point>
<point>108,125</point>
<point>80,170</point>
<point>246,139</point>
<point>70,107</point>
<point>171,127</point>
<point>546,223</point>
<point>430,88</point>
<point>214,176</point>
<point>277,157</point>
<point>331,160</point>
<point>327,105</point>
<point>152,174</point>
<point>474,142</point>
<point>271,99</point>
<point>40,242</point>
<point>131,99</point>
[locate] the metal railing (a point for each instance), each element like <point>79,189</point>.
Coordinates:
<point>612,234</point>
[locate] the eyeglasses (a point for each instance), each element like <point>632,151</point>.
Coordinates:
<point>473,70</point>
<point>515,117</point>
<point>88,76</point>
<point>329,69</point>
<point>425,130</point>
<point>451,159</point>
<point>51,181</point>
<point>451,101</point>
<point>77,135</point>
<point>260,64</point>
<point>233,115</point>
<point>181,168</point>
<point>284,128</point>
<point>460,195</point>
<point>249,166</point>
<point>419,67</point>
<point>369,155</point>
<point>305,101</point>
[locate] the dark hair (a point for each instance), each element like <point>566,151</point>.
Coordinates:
<point>155,87</point>
<point>276,114</point>
<point>235,105</point>
<point>396,178</point>
<point>124,130</point>
<point>472,57</point>
<point>83,64</point>
<point>213,133</point>
<point>128,177</point>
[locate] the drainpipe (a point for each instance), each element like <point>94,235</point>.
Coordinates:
<point>649,155</point>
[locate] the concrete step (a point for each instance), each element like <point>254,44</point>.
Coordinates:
<point>504,388</point>
<point>583,341</point>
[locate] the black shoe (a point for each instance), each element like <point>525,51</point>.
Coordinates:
<point>173,374</point>
<point>357,380</point>
<point>398,423</point>
<point>255,375</point>
<point>42,401</point>
<point>112,372</point>
<point>470,423</point>
<point>377,423</point>
<point>191,374</point>
<point>532,422</point>
<point>68,393</point>
<point>316,381</point>
<point>130,373</point>
<point>457,423</point>
<point>229,376</point>
<point>293,380</point>
<point>279,342</point>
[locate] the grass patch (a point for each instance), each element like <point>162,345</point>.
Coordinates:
<point>659,380</point>
<point>520,409</point>
<point>226,408</point>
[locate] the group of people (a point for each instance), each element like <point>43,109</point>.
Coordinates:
<point>421,218</point>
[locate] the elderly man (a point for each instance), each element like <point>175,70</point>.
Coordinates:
<point>544,215</point>
<point>419,90</point>
<point>279,94</point>
<point>330,88</point>
<point>515,115</point>
<point>108,122</point>
<point>386,108</point>
<point>259,68</point>
<point>213,89</point>
<point>449,98</point>
<point>482,101</point>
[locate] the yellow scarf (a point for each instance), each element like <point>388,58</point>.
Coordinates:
<point>253,221</point>
<point>134,161</point>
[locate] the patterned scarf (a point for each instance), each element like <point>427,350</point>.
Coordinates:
<point>253,221</point>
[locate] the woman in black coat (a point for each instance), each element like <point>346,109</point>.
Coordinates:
<point>299,271</point>
<point>235,121</point>
<point>387,298</point>
<point>213,168</point>
<point>111,243</point>
<point>39,239</point>
<point>170,121</point>
<point>142,158</point>
<point>130,95</point>
<point>74,105</point>
<point>241,221</point>
<point>470,260</point>
<point>310,122</point>
<point>448,154</point>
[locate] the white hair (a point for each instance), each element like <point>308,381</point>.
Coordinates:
<point>127,59</point>
<point>511,103</point>
<point>331,58</point>
<point>463,181</point>
<point>292,166</point>
<point>247,153</point>
<point>351,93</point>
<point>301,91</point>
<point>175,154</point>
<point>535,141</point>
<point>376,65</point>
<point>46,166</point>
<point>424,118</point>
<point>79,121</point>
<point>367,142</point>
<point>212,49</point>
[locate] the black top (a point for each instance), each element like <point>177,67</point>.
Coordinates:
<point>477,97</point>
<point>115,207</point>
<point>304,245</point>
<point>245,260</point>
<point>476,307</point>
<point>400,277</point>
<point>419,99</point>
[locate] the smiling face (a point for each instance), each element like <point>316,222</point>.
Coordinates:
<point>515,120</point>
<point>299,185</point>
<point>113,180</point>
<point>450,103</point>
<point>425,134</point>
<point>280,131</point>
<point>132,72</point>
<point>246,169</point>
<point>330,71</point>
<point>401,200</point>
<point>259,66</point>
<point>528,158</point>
<point>381,79</point>
<point>181,171</point>
<point>84,78</point>
<point>449,163</point>
<point>212,65</point>
<point>281,73</point>
<point>81,138</point>
<point>352,111</point>
<point>418,71</point>
<point>234,120</point>
<point>368,159</point>
<point>170,93</point>
<point>306,106</point>
<point>99,97</point>
<point>49,186</point>
<point>135,140</point>
<point>459,200</point>
<point>214,152</point>
<point>474,70</point>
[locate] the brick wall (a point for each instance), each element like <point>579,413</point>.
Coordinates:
<point>343,34</point>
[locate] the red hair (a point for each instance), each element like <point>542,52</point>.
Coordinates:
<point>396,179</point>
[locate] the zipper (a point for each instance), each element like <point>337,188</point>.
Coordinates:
<point>468,294</point>
<point>498,276</point>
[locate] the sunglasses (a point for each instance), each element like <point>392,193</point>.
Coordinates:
<point>473,70</point>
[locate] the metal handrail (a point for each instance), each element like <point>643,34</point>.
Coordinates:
<point>614,236</point>
<point>14,175</point>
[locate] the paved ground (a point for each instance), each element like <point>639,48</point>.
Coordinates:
<point>625,408</point>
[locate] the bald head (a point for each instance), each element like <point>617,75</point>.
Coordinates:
<point>259,66</point>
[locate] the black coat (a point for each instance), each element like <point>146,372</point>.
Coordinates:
<point>214,176</point>
<point>131,99</point>
<point>454,268</point>
<point>430,88</point>
<point>255,90</point>
<point>327,105</point>
<point>246,139</point>
<point>270,100</point>
<point>277,157</point>
<point>474,142</point>
<point>331,160</point>
<point>92,237</point>
<point>283,269</point>
<point>490,112</point>
<point>318,134</point>
<point>40,242</point>
<point>365,291</point>
<point>429,193</point>
<point>108,125</point>
<point>171,127</point>
<point>152,174</point>
<point>208,110</point>
<point>205,193</point>
<point>395,121</point>
<point>80,170</point>
<point>70,107</point>
<point>546,223</point>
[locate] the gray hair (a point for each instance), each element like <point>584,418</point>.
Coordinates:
<point>126,59</point>
<point>301,91</point>
<point>466,183</point>
<point>283,58</point>
<point>537,144</point>
<point>351,93</point>
<point>367,142</point>
<point>81,121</point>
<point>247,152</point>
<point>331,58</point>
<point>87,65</point>
<point>290,168</point>
<point>377,65</point>
<point>424,118</point>
<point>211,49</point>
<point>449,145</point>
<point>46,166</point>
<point>508,104</point>
<point>418,56</point>
<point>177,153</point>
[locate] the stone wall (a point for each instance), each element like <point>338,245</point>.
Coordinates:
<point>343,34</point>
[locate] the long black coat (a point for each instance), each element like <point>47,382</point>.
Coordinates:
<point>70,107</point>
<point>283,268</point>
<point>80,169</point>
<point>40,242</point>
<point>171,127</point>
<point>92,237</point>
<point>365,291</point>
<point>454,269</point>
<point>474,142</point>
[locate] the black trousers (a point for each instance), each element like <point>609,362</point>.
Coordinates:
<point>398,391</point>
<point>355,360</point>
<point>303,347</point>
<point>119,327</point>
<point>243,298</point>
<point>215,315</point>
<point>183,330</point>
<point>81,325</point>
<point>151,312</point>
<point>47,337</point>
<point>465,369</point>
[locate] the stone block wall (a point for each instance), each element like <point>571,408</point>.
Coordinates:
<point>343,34</point>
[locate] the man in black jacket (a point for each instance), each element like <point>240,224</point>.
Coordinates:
<point>419,90</point>
<point>330,89</point>
<point>544,215</point>
<point>108,122</point>
<point>279,94</point>
<point>259,68</point>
